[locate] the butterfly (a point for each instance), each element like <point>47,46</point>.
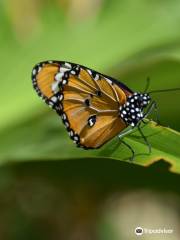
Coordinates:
<point>93,107</point>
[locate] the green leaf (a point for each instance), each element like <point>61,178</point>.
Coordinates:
<point>45,138</point>
<point>140,38</point>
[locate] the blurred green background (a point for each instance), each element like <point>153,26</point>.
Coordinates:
<point>86,198</point>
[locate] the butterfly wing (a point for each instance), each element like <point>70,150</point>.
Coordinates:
<point>87,101</point>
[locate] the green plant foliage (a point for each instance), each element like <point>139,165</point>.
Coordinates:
<point>131,40</point>
<point>50,141</point>
<point>49,189</point>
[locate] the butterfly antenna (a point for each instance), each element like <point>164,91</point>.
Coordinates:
<point>147,84</point>
<point>164,90</point>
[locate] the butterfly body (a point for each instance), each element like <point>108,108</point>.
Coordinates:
<point>94,107</point>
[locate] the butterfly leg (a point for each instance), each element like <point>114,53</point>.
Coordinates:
<point>128,131</point>
<point>130,148</point>
<point>145,121</point>
<point>144,138</point>
<point>153,107</point>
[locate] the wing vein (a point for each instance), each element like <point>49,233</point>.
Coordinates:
<point>81,90</point>
<point>107,95</point>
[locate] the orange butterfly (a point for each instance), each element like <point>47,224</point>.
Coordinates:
<point>94,107</point>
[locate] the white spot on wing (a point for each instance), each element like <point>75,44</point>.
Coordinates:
<point>55,87</point>
<point>96,77</point>
<point>66,124</point>
<point>39,69</point>
<point>109,81</point>
<point>64,81</point>
<point>61,97</point>
<point>68,65</point>
<point>91,123</point>
<point>71,133</point>
<point>89,71</point>
<point>63,69</point>
<point>51,103</point>
<point>58,76</point>
<point>54,99</point>
<point>34,71</point>
<point>73,72</point>
<point>64,116</point>
<point>76,138</point>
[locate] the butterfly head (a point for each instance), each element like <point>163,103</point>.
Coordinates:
<point>132,111</point>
